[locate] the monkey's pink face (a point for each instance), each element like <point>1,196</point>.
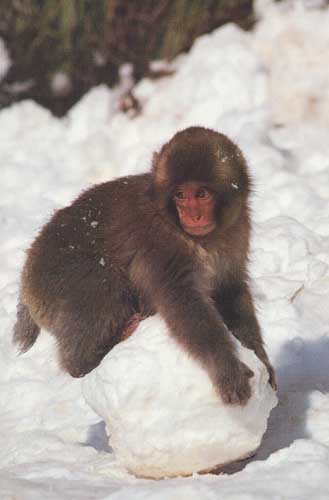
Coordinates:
<point>195,206</point>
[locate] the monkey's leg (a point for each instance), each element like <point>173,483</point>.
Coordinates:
<point>91,324</point>
<point>83,345</point>
<point>82,357</point>
<point>132,325</point>
<point>25,330</point>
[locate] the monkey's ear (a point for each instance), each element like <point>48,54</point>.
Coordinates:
<point>160,175</point>
<point>155,159</point>
<point>160,180</point>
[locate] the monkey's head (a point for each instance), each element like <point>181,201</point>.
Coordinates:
<point>200,179</point>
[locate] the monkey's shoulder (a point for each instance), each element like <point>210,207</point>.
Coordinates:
<point>113,194</point>
<point>102,203</point>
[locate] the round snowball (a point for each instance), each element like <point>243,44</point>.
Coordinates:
<point>162,412</point>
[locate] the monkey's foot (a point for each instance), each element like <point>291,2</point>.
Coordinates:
<point>131,325</point>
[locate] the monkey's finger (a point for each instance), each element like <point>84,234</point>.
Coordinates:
<point>237,395</point>
<point>231,398</point>
<point>272,380</point>
<point>247,371</point>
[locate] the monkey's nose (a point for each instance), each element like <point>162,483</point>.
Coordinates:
<point>194,213</point>
<point>195,218</point>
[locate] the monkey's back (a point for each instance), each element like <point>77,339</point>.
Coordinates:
<point>77,255</point>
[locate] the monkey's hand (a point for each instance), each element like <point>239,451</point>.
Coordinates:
<point>261,354</point>
<point>233,381</point>
<point>272,377</point>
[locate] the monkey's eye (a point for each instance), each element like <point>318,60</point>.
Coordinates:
<point>202,193</point>
<point>179,195</point>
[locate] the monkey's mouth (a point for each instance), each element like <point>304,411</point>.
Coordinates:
<point>201,230</point>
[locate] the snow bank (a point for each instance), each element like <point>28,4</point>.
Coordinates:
<point>183,426</point>
<point>293,49</point>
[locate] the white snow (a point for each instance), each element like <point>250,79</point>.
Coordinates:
<point>268,90</point>
<point>183,426</point>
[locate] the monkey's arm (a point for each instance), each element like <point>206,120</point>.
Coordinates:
<point>166,278</point>
<point>236,306</point>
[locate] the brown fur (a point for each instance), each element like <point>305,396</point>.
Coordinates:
<point>118,251</point>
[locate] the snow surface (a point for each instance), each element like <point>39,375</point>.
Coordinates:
<point>183,425</point>
<point>268,90</point>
